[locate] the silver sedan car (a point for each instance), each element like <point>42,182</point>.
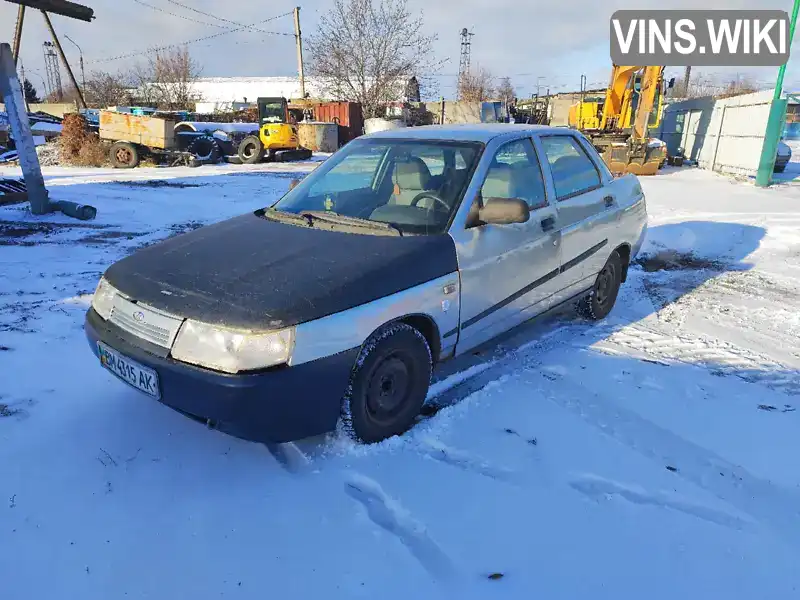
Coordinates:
<point>334,304</point>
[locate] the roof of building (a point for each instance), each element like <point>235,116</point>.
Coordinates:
<point>466,132</point>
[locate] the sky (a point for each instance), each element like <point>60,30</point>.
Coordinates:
<point>544,44</point>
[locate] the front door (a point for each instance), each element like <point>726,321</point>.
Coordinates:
<point>508,272</point>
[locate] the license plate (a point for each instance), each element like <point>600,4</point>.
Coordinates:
<point>131,372</point>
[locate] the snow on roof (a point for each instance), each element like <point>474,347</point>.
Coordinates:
<point>236,89</point>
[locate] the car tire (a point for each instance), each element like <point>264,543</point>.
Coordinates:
<point>123,155</point>
<point>251,150</point>
<point>600,300</point>
<point>388,385</point>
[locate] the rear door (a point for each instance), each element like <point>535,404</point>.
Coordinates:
<point>507,272</point>
<point>584,207</point>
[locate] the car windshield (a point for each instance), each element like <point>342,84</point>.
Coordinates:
<point>414,185</point>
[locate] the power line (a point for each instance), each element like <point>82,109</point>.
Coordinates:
<point>184,17</point>
<point>200,12</point>
<point>185,43</point>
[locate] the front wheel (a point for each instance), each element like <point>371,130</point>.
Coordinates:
<point>388,385</point>
<point>604,293</point>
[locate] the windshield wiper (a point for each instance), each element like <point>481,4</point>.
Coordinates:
<point>336,218</point>
<point>287,217</point>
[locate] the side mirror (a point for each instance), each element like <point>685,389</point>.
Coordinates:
<point>504,211</point>
<point>293,184</point>
<point>671,83</point>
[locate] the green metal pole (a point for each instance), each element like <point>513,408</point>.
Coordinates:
<point>777,113</point>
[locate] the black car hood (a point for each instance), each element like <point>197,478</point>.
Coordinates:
<point>251,272</point>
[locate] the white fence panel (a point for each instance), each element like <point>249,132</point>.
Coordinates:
<point>721,135</point>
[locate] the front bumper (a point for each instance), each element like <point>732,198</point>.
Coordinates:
<point>277,405</point>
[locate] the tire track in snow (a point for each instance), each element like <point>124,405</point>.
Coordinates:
<point>598,487</point>
<point>721,357</point>
<point>464,460</point>
<point>751,301</point>
<point>771,504</point>
<point>290,457</point>
<point>390,515</point>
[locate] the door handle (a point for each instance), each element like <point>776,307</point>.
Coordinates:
<point>609,200</point>
<point>548,223</point>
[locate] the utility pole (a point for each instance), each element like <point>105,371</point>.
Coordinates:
<point>538,85</point>
<point>12,94</point>
<point>83,73</point>
<point>464,61</point>
<point>18,33</point>
<point>777,113</point>
<point>22,83</point>
<point>299,39</point>
<point>686,75</point>
<point>63,56</point>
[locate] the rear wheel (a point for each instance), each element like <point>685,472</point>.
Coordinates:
<point>389,384</point>
<point>600,300</point>
<point>123,155</point>
<point>251,150</point>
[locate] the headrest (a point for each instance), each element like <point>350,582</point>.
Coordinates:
<point>412,175</point>
<point>498,182</point>
<point>569,164</point>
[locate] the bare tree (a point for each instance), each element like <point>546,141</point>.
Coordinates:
<point>366,50</point>
<point>699,85</point>
<point>476,86</point>
<point>737,87</point>
<point>704,85</point>
<point>505,91</point>
<point>145,93</point>
<point>104,89</point>
<point>168,80</point>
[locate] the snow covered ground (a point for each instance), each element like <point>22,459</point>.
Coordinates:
<point>652,455</point>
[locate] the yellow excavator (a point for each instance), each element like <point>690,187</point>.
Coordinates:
<point>277,137</point>
<point>618,123</point>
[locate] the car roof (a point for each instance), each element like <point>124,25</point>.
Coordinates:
<point>467,132</point>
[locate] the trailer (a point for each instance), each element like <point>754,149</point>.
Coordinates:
<point>134,137</point>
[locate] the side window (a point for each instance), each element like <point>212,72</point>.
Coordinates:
<point>573,170</point>
<point>516,173</point>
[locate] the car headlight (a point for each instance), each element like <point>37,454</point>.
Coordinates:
<point>229,350</point>
<point>103,299</point>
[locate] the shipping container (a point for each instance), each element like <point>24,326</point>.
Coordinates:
<point>347,115</point>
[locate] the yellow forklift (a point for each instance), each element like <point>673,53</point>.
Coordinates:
<point>277,138</point>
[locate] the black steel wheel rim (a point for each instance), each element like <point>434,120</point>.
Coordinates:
<point>605,284</point>
<point>389,387</point>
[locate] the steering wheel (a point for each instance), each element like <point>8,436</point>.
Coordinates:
<point>431,196</point>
